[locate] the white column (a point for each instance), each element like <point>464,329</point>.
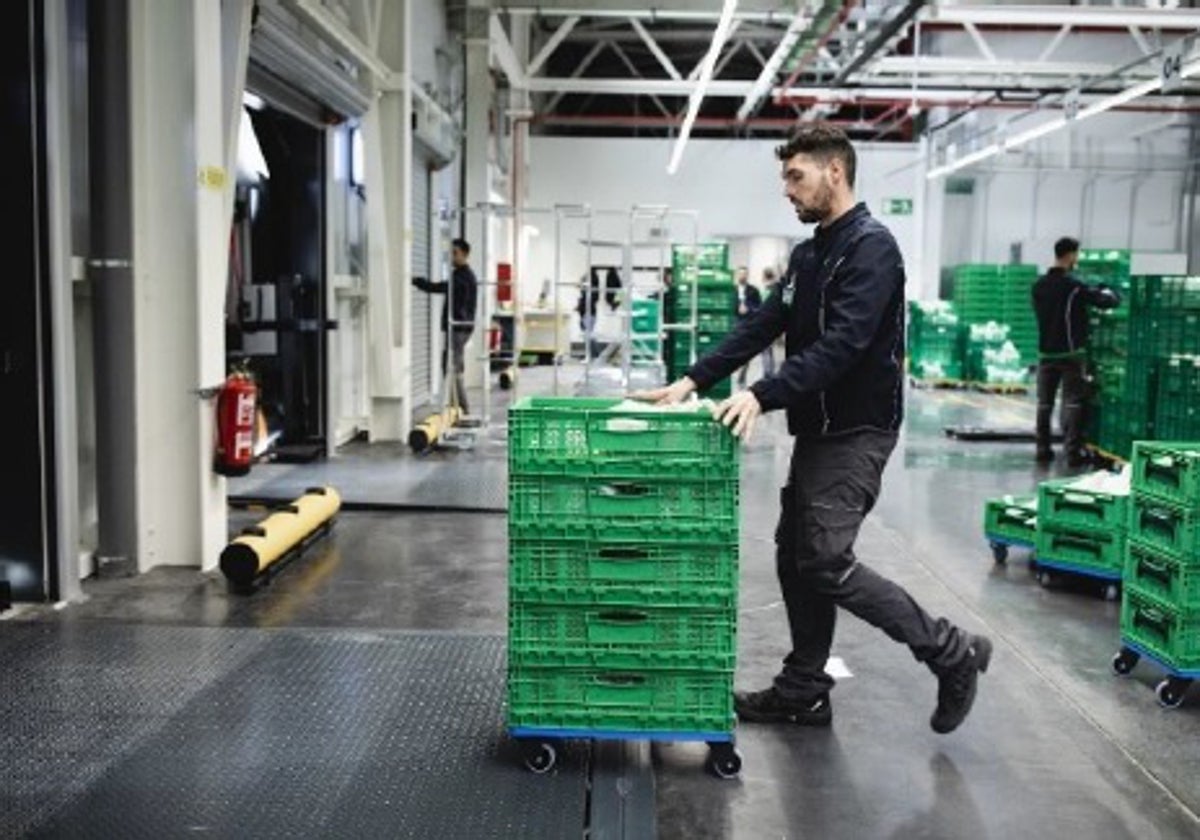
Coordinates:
<point>387,150</point>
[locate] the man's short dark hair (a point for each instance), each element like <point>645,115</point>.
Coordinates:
<point>823,142</point>
<point>462,245</point>
<point>1065,246</point>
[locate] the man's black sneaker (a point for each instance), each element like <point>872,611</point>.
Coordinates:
<point>957,685</point>
<point>769,706</point>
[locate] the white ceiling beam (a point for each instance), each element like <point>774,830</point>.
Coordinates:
<point>563,30</point>
<point>580,69</point>
<point>633,71</point>
<point>1110,17</point>
<point>970,66</point>
<point>767,11</point>
<point>655,49</point>
<point>982,44</point>
<point>763,83</point>
<point>1054,44</point>
<point>1140,40</point>
<point>504,53</point>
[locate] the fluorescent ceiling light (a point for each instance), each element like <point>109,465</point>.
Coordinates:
<point>1098,107</point>
<point>706,72</point>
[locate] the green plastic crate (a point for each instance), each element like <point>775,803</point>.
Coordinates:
<point>601,699</point>
<point>1168,470</point>
<point>1065,507</point>
<point>1011,518</point>
<point>1086,553</point>
<point>1170,528</point>
<point>625,506</point>
<point>620,636</point>
<point>710,297</point>
<point>700,255</point>
<point>1162,575</point>
<point>547,429</point>
<point>1169,632</point>
<point>624,572</point>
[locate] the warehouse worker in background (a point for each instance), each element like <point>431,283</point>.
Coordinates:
<point>749,299</point>
<point>841,306</point>
<point>463,291</point>
<point>1061,301</point>
<point>770,281</point>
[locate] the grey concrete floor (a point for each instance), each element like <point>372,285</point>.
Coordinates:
<point>1056,744</point>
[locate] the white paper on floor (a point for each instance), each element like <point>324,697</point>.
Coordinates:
<point>836,668</point>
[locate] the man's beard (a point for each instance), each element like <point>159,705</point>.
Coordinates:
<point>820,206</point>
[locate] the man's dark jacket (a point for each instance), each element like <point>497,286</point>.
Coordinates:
<point>841,303</point>
<point>1061,301</point>
<point>464,293</point>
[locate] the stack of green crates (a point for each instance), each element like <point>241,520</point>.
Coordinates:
<point>647,345</point>
<point>1160,610</point>
<point>1081,528</point>
<point>995,292</point>
<point>702,277</point>
<point>934,344</point>
<point>1162,335</point>
<point>1010,520</point>
<point>623,569</point>
<point>989,356</point>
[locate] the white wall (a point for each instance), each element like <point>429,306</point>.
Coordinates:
<point>733,186</point>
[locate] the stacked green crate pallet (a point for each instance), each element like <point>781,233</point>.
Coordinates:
<point>623,568</point>
<point>1081,525</point>
<point>934,344</point>
<point>1115,418</point>
<point>702,286</point>
<point>1010,520</point>
<point>1003,293</point>
<point>989,356</point>
<point>1163,334</point>
<point>1160,610</point>
<point>647,345</point>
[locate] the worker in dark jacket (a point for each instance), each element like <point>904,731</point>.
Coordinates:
<point>749,299</point>
<point>458,315</point>
<point>841,307</point>
<point>1061,301</point>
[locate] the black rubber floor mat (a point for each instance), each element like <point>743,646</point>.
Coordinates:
<point>162,732</point>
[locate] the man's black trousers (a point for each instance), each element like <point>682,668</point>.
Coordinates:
<point>833,483</point>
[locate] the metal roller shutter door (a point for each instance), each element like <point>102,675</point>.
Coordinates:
<point>423,305</point>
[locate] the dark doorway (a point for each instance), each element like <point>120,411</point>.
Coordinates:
<point>278,270</point>
<point>26,515</point>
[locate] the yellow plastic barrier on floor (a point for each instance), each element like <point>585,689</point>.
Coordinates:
<point>283,532</point>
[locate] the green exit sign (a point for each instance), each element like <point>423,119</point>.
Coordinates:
<point>897,206</point>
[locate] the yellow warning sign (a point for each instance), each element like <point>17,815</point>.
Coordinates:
<point>212,177</point>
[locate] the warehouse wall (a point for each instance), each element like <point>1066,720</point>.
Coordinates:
<point>733,186</point>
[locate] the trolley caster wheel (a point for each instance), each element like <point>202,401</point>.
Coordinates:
<point>540,757</point>
<point>724,760</point>
<point>1045,579</point>
<point>1123,662</point>
<point>1170,692</point>
<point>1000,553</point>
<point>1111,592</point>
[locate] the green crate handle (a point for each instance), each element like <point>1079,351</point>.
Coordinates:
<point>1163,468</point>
<point>620,627</point>
<point>1079,500</point>
<point>625,553</point>
<point>1159,519</point>
<point>620,680</point>
<point>624,490</point>
<point>1151,568</point>
<point>1152,619</point>
<point>1087,545</point>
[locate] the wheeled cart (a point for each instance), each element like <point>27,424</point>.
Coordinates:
<point>1000,546</point>
<point>1107,581</point>
<point>539,753</point>
<point>1171,689</point>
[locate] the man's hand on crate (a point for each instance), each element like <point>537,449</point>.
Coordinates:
<point>676,392</point>
<point>739,413</point>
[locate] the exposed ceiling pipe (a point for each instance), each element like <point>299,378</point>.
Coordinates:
<point>811,53</point>
<point>886,33</point>
<point>662,121</point>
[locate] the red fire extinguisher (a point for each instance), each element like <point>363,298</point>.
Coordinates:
<point>236,410</point>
